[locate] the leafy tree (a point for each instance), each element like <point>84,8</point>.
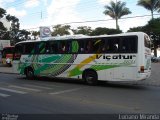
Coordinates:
<point>153,29</point>
<point>136,29</point>
<point>61,30</point>
<point>85,30</point>
<point>35,34</point>
<point>117,10</point>
<point>5,35</point>
<point>22,35</point>
<point>152,5</point>
<point>2,12</point>
<point>103,31</point>
<point>12,33</point>
<point>2,27</point>
<point>14,21</point>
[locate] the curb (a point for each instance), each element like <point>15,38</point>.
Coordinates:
<point>8,73</point>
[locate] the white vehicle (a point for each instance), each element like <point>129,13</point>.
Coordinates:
<point>121,57</point>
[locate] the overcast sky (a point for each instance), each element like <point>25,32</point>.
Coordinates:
<point>35,13</point>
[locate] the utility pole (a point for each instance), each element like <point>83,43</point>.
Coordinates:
<point>41,14</point>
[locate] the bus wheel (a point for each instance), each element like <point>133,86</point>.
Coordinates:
<point>91,77</point>
<point>29,73</point>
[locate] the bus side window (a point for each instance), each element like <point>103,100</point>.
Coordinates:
<point>133,44</point>
<point>97,46</point>
<point>125,48</point>
<point>29,48</point>
<point>3,53</point>
<point>100,46</point>
<point>128,44</point>
<point>47,47</point>
<point>68,47</point>
<point>18,51</point>
<point>53,47</point>
<point>115,45</point>
<point>81,44</point>
<point>74,47</point>
<point>62,47</point>
<point>89,47</point>
<point>42,48</point>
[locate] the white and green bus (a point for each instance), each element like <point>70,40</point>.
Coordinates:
<point>121,57</point>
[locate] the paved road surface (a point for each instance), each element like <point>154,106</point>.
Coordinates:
<point>154,80</point>
<point>18,95</point>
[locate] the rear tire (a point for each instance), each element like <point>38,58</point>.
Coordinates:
<point>29,73</point>
<point>91,77</point>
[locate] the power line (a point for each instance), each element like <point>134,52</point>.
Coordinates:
<point>90,21</point>
<point>91,5</point>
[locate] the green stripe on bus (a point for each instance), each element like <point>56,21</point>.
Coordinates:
<point>77,71</point>
<point>46,60</point>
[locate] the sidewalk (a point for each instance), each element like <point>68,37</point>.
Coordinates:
<point>5,69</point>
<point>154,79</point>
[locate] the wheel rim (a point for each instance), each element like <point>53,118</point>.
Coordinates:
<point>90,78</point>
<point>29,74</point>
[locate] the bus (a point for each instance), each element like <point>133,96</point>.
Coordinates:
<point>7,55</point>
<point>120,57</point>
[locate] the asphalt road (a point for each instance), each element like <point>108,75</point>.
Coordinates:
<point>53,96</point>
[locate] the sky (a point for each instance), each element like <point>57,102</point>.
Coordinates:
<point>35,13</point>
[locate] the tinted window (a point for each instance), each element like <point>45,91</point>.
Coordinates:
<point>147,41</point>
<point>29,48</point>
<point>129,44</point>
<point>98,45</point>
<point>8,50</point>
<point>81,46</point>
<point>41,48</point>
<point>118,44</point>
<point>113,45</point>
<point>53,46</point>
<point>18,51</point>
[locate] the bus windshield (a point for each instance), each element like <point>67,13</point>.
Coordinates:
<point>7,50</point>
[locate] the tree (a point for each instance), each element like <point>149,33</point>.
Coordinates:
<point>35,34</point>
<point>14,29</point>
<point>136,29</point>
<point>14,21</point>
<point>153,29</point>
<point>152,5</point>
<point>61,30</point>
<point>117,10</point>
<point>2,28</point>
<point>85,30</point>
<point>2,12</point>
<point>105,31</point>
<point>22,35</point>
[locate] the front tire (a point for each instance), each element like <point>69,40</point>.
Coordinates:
<point>91,77</point>
<point>29,73</point>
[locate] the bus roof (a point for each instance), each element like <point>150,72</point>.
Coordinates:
<point>66,37</point>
